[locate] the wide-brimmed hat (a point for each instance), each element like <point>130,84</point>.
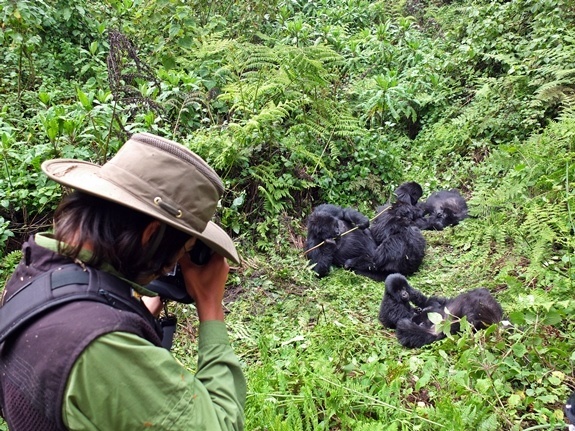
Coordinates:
<point>158,177</point>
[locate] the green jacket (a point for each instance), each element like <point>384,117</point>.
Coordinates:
<point>147,388</point>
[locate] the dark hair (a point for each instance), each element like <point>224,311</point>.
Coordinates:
<point>115,234</point>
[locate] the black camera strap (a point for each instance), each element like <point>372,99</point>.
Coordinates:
<point>66,284</point>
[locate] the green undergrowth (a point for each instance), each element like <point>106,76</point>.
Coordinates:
<point>296,103</point>
<point>316,357</point>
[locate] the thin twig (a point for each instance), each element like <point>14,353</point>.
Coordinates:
<point>345,233</point>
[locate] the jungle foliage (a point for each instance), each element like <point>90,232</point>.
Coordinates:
<point>297,103</point>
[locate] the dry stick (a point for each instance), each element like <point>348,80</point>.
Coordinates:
<point>346,232</point>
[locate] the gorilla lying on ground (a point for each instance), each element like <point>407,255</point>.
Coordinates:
<point>441,209</point>
<point>416,329</point>
<point>328,224</point>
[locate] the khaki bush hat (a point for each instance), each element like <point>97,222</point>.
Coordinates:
<point>158,177</point>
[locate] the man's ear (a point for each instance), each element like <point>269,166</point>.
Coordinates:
<point>150,230</point>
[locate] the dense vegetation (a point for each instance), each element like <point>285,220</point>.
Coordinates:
<point>299,102</point>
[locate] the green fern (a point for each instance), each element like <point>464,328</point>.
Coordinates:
<point>212,44</point>
<point>559,91</point>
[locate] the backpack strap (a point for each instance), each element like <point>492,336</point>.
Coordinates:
<point>65,284</point>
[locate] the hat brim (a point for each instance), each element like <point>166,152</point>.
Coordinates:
<point>84,176</point>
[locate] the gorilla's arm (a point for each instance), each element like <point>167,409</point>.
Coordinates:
<point>417,298</point>
<point>410,334</point>
<point>322,257</point>
<point>355,218</point>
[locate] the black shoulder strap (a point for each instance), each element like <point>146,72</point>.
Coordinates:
<point>65,284</point>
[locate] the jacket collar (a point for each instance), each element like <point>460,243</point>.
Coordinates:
<point>47,240</point>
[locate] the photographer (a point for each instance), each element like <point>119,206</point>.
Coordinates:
<point>80,349</point>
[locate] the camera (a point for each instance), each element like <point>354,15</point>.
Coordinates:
<point>200,253</point>
<point>172,286</point>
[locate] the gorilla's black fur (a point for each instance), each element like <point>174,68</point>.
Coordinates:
<point>441,209</point>
<point>409,192</point>
<point>477,305</point>
<point>400,245</point>
<point>397,301</point>
<point>328,223</point>
<point>570,411</point>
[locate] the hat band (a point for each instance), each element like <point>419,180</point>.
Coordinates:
<point>167,207</point>
<point>129,182</point>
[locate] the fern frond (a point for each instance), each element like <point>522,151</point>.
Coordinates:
<point>560,89</point>
<point>212,44</point>
<point>258,58</point>
<point>271,113</point>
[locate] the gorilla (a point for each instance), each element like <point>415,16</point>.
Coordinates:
<point>441,209</point>
<point>400,245</point>
<point>412,324</point>
<point>409,192</point>
<point>477,305</point>
<point>397,300</point>
<point>327,225</point>
<point>570,411</point>
<point>407,196</point>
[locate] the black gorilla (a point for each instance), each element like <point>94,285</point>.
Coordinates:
<point>441,209</point>
<point>328,223</point>
<point>397,300</point>
<point>407,197</point>
<point>400,245</point>
<point>570,411</point>
<point>409,192</point>
<point>480,308</point>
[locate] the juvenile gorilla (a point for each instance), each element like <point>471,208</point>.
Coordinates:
<point>327,223</point>
<point>400,245</point>
<point>409,192</point>
<point>407,197</point>
<point>397,301</point>
<point>443,208</point>
<point>480,308</point>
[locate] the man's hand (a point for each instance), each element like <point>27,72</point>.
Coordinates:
<point>206,285</point>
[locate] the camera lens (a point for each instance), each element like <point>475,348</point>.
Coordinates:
<point>200,253</point>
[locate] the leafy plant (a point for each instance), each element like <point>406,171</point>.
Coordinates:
<point>299,103</point>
